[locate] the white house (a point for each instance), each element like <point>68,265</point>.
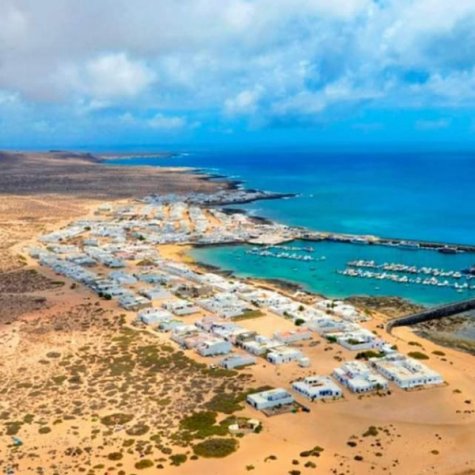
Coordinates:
<point>406,372</point>
<point>214,346</point>
<point>237,361</point>
<point>318,387</point>
<point>169,324</point>
<point>359,340</point>
<point>181,307</point>
<point>153,316</point>
<point>224,304</point>
<point>156,293</point>
<point>270,399</point>
<point>259,345</point>
<point>292,336</point>
<point>359,378</point>
<point>283,354</point>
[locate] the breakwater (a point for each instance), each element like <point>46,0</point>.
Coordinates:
<point>415,245</point>
<point>432,314</point>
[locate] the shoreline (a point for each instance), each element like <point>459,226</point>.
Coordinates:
<point>176,392</point>
<point>286,435</point>
<point>313,235</point>
<point>387,305</point>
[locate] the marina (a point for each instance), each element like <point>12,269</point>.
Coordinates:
<point>341,270</point>
<point>282,255</point>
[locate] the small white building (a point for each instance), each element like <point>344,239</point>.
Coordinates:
<point>153,316</point>
<point>318,387</point>
<point>270,399</point>
<point>406,372</point>
<point>237,361</point>
<point>283,354</point>
<point>156,293</point>
<point>259,344</point>
<point>359,340</point>
<point>358,377</point>
<point>169,324</point>
<point>292,336</point>
<point>214,346</point>
<point>181,307</point>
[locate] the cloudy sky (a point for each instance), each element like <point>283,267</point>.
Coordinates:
<point>186,72</point>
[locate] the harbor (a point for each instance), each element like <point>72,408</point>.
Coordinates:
<point>342,269</point>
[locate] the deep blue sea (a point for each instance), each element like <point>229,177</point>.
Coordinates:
<point>411,195</point>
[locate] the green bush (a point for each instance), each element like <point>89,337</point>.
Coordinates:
<point>115,456</point>
<point>371,431</point>
<point>218,447</point>
<point>116,419</point>
<point>201,425</point>
<point>144,463</point>
<point>417,355</point>
<point>178,459</point>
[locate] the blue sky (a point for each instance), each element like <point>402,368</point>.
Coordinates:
<point>112,73</point>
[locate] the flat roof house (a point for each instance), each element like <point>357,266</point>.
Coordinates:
<point>153,316</point>
<point>181,307</point>
<point>292,336</point>
<point>237,361</point>
<point>318,387</point>
<point>359,378</point>
<point>406,372</point>
<point>270,399</point>
<point>214,346</point>
<point>283,354</point>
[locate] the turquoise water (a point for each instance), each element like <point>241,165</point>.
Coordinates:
<point>411,195</point>
<point>321,275</point>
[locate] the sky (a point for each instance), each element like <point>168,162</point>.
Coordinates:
<point>121,73</point>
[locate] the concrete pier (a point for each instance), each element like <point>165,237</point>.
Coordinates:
<point>432,314</point>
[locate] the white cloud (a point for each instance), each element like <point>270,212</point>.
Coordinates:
<point>259,59</point>
<point>7,98</point>
<point>109,76</point>
<point>13,25</point>
<point>163,122</point>
<point>245,102</point>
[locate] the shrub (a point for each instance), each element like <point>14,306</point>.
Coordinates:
<point>178,459</point>
<point>13,427</point>
<point>312,452</point>
<point>203,424</point>
<point>115,456</point>
<point>138,429</point>
<point>371,431</point>
<point>144,463</point>
<point>116,419</point>
<point>366,355</point>
<point>218,447</point>
<point>417,355</point>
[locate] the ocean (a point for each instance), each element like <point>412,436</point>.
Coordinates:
<point>411,195</point>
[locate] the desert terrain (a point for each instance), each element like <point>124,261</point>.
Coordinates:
<point>82,390</point>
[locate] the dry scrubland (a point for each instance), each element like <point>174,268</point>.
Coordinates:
<point>87,393</point>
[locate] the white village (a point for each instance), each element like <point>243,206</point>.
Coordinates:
<point>228,322</point>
